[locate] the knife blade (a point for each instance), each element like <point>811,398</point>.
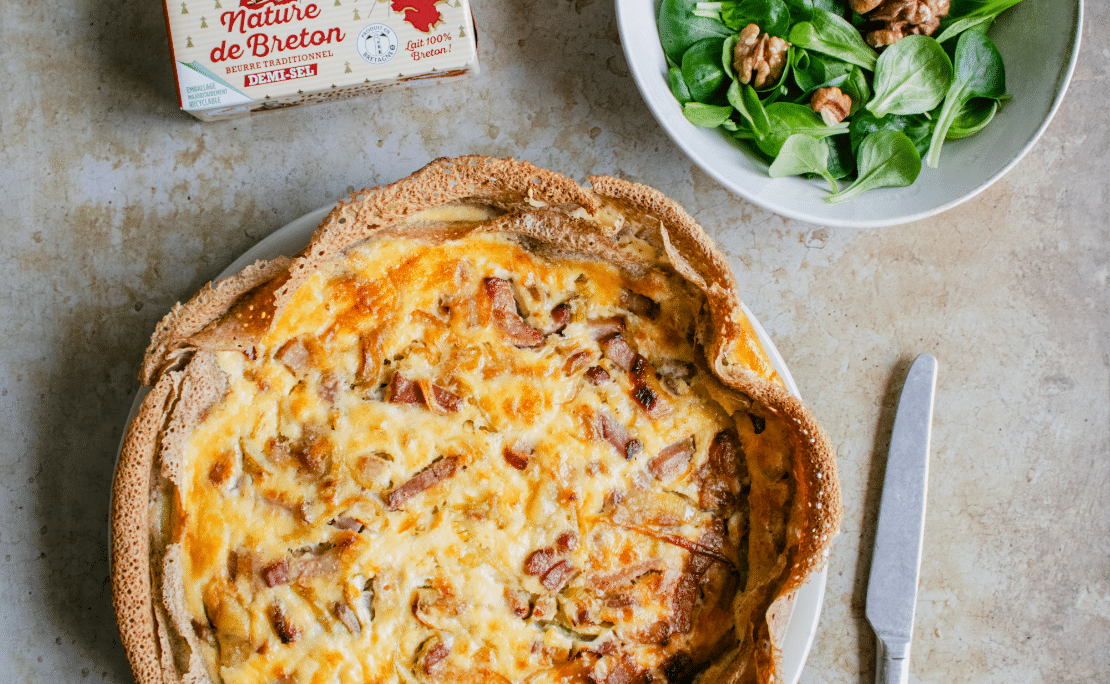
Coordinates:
<point>896,559</point>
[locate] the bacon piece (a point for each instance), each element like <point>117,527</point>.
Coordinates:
<point>576,361</point>
<point>432,661</point>
<point>447,399</point>
<point>286,630</point>
<point>557,575</point>
<point>329,387</point>
<point>404,391</point>
<point>560,316</point>
<point>648,400</point>
<point>312,454</point>
<point>347,616</point>
<point>516,457</point>
<point>345,522</point>
<point>616,349</point>
<point>686,589</point>
<point>658,632</point>
<point>275,573</point>
<point>604,327</point>
<point>618,436</point>
<point>294,354</point>
<point>567,541</point>
<point>321,563</point>
<point>625,576</point>
<point>720,480</point>
<point>518,601</point>
<point>639,304</point>
<point>539,561</point>
<point>625,672</point>
<point>433,474</point>
<point>596,375</point>
<point>507,317</point>
<point>672,460</point>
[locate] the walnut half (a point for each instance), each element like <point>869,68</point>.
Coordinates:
<point>759,58</point>
<point>832,104</point>
<point>901,18</point>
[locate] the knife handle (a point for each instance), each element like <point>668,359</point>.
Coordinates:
<point>892,662</point>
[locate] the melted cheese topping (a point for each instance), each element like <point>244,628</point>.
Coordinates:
<point>558,540</point>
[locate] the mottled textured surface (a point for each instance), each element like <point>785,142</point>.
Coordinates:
<point>115,205</point>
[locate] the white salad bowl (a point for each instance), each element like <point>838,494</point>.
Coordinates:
<point>1039,42</point>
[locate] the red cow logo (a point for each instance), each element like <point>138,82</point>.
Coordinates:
<point>422,14</point>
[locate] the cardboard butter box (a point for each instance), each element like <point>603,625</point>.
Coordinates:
<point>233,57</point>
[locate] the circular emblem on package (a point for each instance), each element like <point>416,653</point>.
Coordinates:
<point>376,44</point>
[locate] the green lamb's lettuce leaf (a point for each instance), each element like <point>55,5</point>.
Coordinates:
<point>801,154</point>
<point>787,119</point>
<point>802,10</point>
<point>973,117</point>
<point>702,71</point>
<point>705,115</point>
<point>957,27</point>
<point>746,101</point>
<point>886,159</point>
<point>916,127</point>
<point>831,34</point>
<point>679,28</point>
<point>771,16</point>
<point>979,72</point>
<point>911,77</point>
<point>678,86</point>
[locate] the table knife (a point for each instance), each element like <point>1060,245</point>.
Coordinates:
<point>896,559</point>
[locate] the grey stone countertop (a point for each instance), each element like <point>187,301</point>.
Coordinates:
<point>115,205</point>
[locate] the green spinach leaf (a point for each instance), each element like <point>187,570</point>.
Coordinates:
<point>801,154</point>
<point>979,72</point>
<point>911,77</point>
<point>971,9</point>
<point>842,158</point>
<point>957,27</point>
<point>886,159</point>
<point>917,128</point>
<point>802,10</point>
<point>744,98</point>
<point>771,16</point>
<point>813,70</point>
<point>678,86</point>
<point>702,70</point>
<point>679,28</point>
<point>786,118</point>
<point>855,87</point>
<point>973,117</point>
<point>831,34</point>
<point>706,115</point>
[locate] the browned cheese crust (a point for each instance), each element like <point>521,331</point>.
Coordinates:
<point>547,216</point>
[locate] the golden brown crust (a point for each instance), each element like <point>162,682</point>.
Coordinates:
<point>130,541</point>
<point>212,302</point>
<point>541,206</point>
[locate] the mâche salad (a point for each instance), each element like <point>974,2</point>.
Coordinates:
<point>856,91</point>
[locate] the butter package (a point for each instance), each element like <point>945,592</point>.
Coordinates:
<point>233,57</point>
